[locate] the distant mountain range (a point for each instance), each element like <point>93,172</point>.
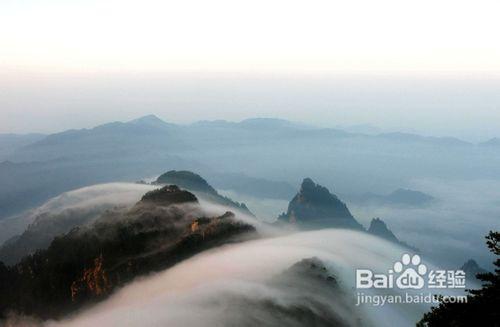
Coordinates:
<point>10,142</point>
<point>258,157</point>
<point>399,197</point>
<point>149,133</point>
<point>494,142</point>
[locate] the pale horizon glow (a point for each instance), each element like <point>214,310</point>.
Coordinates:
<point>271,35</point>
<point>427,66</point>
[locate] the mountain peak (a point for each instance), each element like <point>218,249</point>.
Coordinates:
<point>380,229</point>
<point>187,180</point>
<point>472,265</point>
<point>150,120</point>
<point>307,183</point>
<point>197,184</point>
<point>316,193</point>
<point>315,207</point>
<point>170,194</point>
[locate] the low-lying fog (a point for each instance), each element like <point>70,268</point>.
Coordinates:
<point>96,197</point>
<point>230,285</point>
<point>449,231</point>
<point>211,289</point>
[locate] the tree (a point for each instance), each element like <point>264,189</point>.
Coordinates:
<point>483,305</point>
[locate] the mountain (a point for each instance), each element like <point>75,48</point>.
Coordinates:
<point>272,123</point>
<point>263,148</point>
<point>361,129</point>
<point>47,225</point>
<point>72,159</point>
<point>87,264</point>
<point>379,228</point>
<point>253,123</point>
<point>399,198</point>
<point>44,229</point>
<point>11,142</point>
<point>409,197</point>
<point>28,184</point>
<point>471,269</point>
<point>187,180</point>
<point>316,294</point>
<point>195,183</point>
<point>315,207</point>
<point>494,142</point>
<point>415,138</point>
<point>142,135</point>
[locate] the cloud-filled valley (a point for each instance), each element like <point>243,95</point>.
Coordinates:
<point>273,235</point>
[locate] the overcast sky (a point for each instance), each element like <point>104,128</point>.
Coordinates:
<point>433,66</point>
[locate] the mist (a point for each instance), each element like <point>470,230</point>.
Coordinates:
<point>95,198</point>
<point>451,230</point>
<point>209,289</point>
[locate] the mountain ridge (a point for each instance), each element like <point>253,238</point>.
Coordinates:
<point>314,206</point>
<point>89,263</point>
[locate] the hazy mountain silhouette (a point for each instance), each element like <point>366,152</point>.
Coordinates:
<point>379,228</point>
<point>494,142</point>
<point>399,197</point>
<point>11,142</point>
<point>195,183</point>
<point>269,149</point>
<point>471,269</point>
<point>135,137</point>
<point>315,207</point>
<point>408,137</point>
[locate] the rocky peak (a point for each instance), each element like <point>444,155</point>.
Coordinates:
<point>187,180</point>
<point>471,268</point>
<point>380,229</point>
<point>312,268</point>
<point>315,207</point>
<point>315,193</point>
<point>167,195</point>
<point>204,191</point>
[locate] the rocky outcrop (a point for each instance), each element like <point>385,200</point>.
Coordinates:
<point>196,184</point>
<point>471,269</point>
<point>305,294</point>
<point>315,207</point>
<point>90,262</point>
<point>168,195</point>
<point>380,229</point>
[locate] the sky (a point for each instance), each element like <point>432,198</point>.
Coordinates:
<point>66,63</point>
